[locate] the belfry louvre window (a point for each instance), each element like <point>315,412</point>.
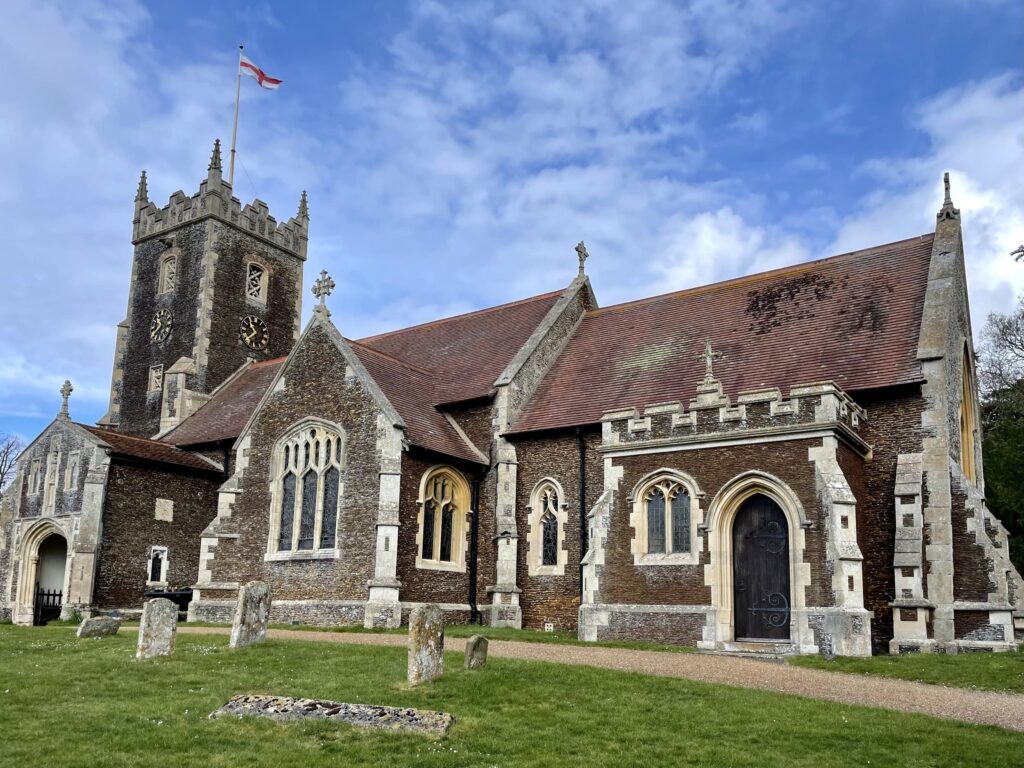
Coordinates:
<point>444,506</point>
<point>668,518</point>
<point>307,487</point>
<point>256,282</point>
<point>168,273</point>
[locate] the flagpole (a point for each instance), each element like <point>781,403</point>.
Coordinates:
<point>234,129</point>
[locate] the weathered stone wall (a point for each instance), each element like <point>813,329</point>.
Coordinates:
<point>140,409</point>
<point>555,598</point>
<point>130,528</point>
<point>235,249</point>
<point>624,582</point>
<point>972,569</point>
<point>318,385</point>
<point>893,427</point>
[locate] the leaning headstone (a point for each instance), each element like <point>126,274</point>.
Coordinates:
<point>99,626</point>
<point>251,615</point>
<point>476,652</point>
<point>426,644</point>
<point>157,630</point>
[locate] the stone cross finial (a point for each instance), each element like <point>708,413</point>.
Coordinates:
<point>947,211</point>
<point>322,288</point>
<point>142,195</point>
<point>709,357</point>
<point>581,252</point>
<point>65,393</point>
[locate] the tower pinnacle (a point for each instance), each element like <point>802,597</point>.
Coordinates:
<point>142,195</point>
<point>215,157</point>
<point>303,206</point>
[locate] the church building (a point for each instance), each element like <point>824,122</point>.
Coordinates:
<point>787,462</point>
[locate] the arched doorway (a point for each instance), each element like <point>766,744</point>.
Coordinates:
<point>49,586</point>
<point>760,554</point>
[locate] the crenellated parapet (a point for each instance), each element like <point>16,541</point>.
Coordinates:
<point>761,412</point>
<point>215,199</point>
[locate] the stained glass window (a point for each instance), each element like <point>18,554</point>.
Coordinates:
<point>330,509</point>
<point>681,522</point>
<point>307,520</point>
<point>446,534</point>
<point>428,530</point>
<point>549,537</point>
<point>287,511</point>
<point>656,521</point>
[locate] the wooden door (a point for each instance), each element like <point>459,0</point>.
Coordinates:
<point>760,557</point>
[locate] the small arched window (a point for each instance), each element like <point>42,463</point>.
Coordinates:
<point>307,486</point>
<point>168,273</point>
<point>547,519</point>
<point>444,511</point>
<point>668,518</point>
<point>256,282</point>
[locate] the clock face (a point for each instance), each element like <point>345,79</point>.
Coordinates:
<point>160,328</point>
<point>254,332</point>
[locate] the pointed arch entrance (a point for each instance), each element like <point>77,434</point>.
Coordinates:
<point>43,574</point>
<point>760,562</point>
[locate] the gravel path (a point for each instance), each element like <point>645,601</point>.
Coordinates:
<point>982,707</point>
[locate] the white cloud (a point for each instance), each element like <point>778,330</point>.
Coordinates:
<point>975,132</point>
<point>751,122</point>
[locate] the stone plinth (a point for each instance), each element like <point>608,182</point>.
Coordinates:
<point>426,644</point>
<point>99,626</point>
<point>476,652</point>
<point>251,615</point>
<point>158,628</point>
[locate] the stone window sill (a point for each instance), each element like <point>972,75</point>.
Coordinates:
<point>438,565</point>
<point>678,558</point>
<point>547,570</point>
<point>305,554</point>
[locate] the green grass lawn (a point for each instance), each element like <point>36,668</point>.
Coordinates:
<point>988,671</point>
<point>70,702</point>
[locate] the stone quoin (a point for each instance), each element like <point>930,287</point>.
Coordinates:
<point>786,462</point>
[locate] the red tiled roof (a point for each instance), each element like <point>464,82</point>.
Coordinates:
<point>853,318</point>
<point>408,389</point>
<point>467,352</point>
<point>150,450</point>
<point>226,414</point>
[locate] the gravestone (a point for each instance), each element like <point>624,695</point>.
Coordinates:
<point>158,628</point>
<point>476,652</point>
<point>251,615</point>
<point>426,644</point>
<point>99,626</point>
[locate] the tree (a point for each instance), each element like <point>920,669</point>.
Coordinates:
<point>1001,367</point>
<point>10,447</point>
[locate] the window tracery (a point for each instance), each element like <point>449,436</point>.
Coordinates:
<point>256,282</point>
<point>168,273</point>
<point>307,488</point>
<point>444,510</point>
<point>547,521</point>
<point>665,517</point>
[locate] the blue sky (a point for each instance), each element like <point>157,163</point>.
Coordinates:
<point>455,153</point>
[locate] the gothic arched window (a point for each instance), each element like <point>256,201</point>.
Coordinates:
<point>547,520</point>
<point>307,466</point>
<point>667,517</point>
<point>168,273</point>
<point>256,282</point>
<point>444,512</point>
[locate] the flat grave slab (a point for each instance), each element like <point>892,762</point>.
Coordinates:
<point>284,709</point>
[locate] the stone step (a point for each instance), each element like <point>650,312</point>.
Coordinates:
<point>771,658</point>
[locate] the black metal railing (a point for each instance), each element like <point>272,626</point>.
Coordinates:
<point>47,607</point>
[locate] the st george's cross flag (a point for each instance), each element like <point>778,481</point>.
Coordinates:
<point>246,67</point>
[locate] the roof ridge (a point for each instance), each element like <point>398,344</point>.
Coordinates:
<point>94,429</point>
<point>392,358</point>
<point>472,313</point>
<point>790,269</point>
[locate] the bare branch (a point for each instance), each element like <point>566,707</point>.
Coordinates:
<point>10,448</point>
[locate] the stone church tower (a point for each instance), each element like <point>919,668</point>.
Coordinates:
<point>213,284</point>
